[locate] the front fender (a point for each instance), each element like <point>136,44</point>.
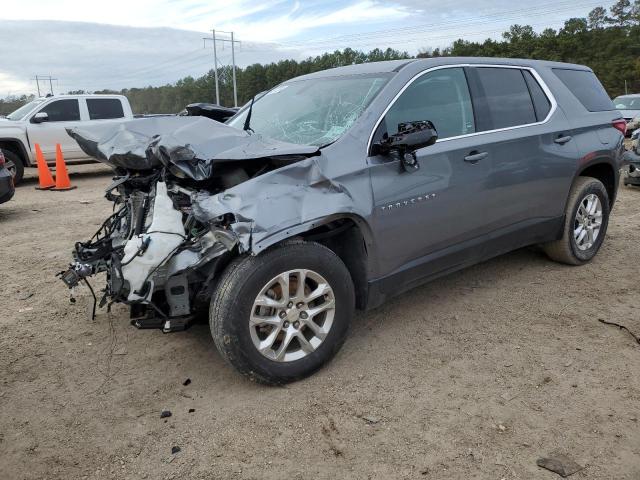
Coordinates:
<point>285,203</point>
<point>16,135</point>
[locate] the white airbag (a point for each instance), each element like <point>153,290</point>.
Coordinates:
<point>166,232</point>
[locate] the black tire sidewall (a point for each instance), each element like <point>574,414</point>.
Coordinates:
<point>17,161</point>
<point>237,342</point>
<point>594,187</point>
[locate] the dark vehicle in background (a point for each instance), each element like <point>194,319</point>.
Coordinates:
<point>7,189</point>
<point>632,176</point>
<point>210,110</point>
<point>342,188</point>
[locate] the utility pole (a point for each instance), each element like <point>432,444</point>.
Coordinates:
<point>215,38</point>
<point>45,77</point>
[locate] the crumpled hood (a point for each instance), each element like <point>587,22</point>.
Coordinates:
<point>188,146</point>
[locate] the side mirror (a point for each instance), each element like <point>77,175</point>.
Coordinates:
<point>40,117</point>
<point>411,136</point>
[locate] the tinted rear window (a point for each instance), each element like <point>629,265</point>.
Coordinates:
<point>507,97</point>
<point>104,108</point>
<point>587,88</point>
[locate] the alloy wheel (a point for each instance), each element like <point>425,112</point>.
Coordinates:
<point>588,222</point>
<point>292,315</point>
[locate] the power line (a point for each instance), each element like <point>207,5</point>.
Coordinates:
<point>541,10</point>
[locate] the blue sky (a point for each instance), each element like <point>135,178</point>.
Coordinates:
<point>123,43</point>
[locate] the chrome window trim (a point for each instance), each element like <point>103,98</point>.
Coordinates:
<point>538,78</point>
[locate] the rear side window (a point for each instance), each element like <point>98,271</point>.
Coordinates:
<point>62,111</point>
<point>587,88</point>
<point>104,108</point>
<point>506,97</point>
<point>541,103</point>
<point>442,97</point>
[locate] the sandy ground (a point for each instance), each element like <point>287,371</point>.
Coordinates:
<point>474,376</point>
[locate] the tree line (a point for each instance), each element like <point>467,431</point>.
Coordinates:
<point>608,41</point>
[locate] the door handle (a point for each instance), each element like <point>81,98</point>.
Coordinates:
<point>562,140</point>
<point>475,157</point>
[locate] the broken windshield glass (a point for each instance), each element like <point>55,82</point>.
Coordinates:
<point>312,112</point>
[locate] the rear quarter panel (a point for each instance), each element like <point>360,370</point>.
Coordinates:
<point>593,133</point>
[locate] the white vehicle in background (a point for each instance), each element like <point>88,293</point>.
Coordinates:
<point>44,121</point>
<point>629,106</point>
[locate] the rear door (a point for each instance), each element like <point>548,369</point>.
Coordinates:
<point>105,110</point>
<point>63,113</point>
<point>529,149</point>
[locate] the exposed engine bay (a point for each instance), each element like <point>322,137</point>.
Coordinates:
<point>173,228</point>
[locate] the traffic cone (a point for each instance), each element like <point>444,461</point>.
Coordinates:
<point>45,179</point>
<point>62,177</point>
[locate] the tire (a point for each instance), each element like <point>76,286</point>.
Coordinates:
<point>247,279</point>
<point>14,165</point>
<point>567,249</point>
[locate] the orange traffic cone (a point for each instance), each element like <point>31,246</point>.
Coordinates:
<point>45,180</point>
<point>62,177</point>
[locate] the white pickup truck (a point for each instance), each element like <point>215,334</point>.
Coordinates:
<point>44,121</point>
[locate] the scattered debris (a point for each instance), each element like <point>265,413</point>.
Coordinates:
<point>175,450</point>
<point>502,428</point>
<point>186,382</point>
<point>560,464</point>
<point>25,296</point>
<point>621,327</point>
<point>26,309</point>
<point>165,414</point>
<point>371,419</point>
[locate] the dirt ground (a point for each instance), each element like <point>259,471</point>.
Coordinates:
<point>474,376</point>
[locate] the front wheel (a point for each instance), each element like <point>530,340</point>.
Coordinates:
<point>278,317</point>
<point>586,221</point>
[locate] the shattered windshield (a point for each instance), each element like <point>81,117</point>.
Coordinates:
<point>312,112</point>
<point>20,113</point>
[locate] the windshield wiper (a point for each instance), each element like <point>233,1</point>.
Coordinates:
<point>247,121</point>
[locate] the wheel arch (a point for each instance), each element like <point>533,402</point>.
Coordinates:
<point>16,146</point>
<point>602,169</point>
<point>348,235</point>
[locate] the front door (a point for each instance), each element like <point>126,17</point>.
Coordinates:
<point>63,114</point>
<point>443,204</point>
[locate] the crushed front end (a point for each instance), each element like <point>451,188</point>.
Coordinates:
<point>156,256</point>
<point>160,250</point>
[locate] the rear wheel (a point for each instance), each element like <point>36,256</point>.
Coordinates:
<point>14,165</point>
<point>278,317</point>
<point>586,221</point>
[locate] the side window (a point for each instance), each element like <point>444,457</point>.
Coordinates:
<point>62,110</point>
<point>587,88</point>
<point>541,102</point>
<point>104,108</point>
<point>441,96</point>
<point>506,97</point>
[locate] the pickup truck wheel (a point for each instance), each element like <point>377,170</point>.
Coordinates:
<point>280,316</point>
<point>14,165</point>
<point>586,221</point>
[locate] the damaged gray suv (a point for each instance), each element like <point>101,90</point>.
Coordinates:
<point>339,189</point>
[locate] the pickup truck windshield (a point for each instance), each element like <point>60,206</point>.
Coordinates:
<point>311,112</point>
<point>22,112</point>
